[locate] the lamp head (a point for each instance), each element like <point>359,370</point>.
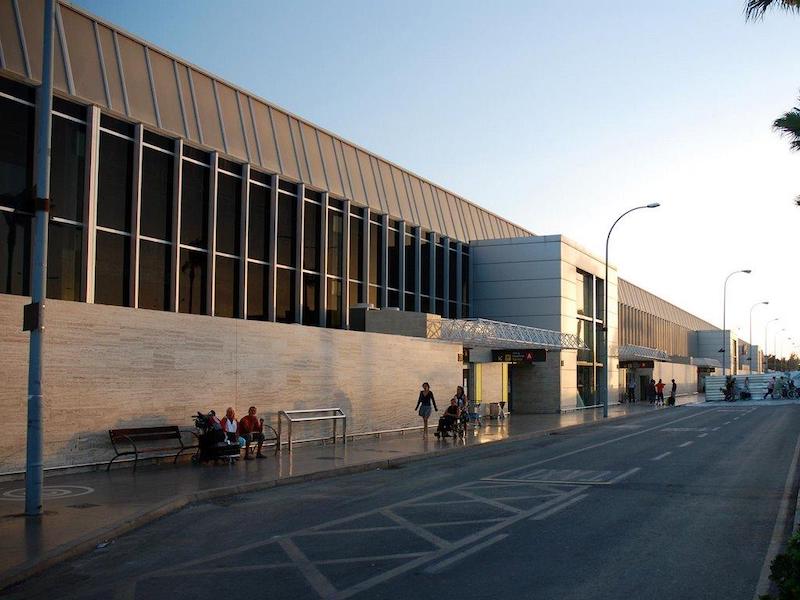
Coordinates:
<point>748,271</point>
<point>765,302</point>
<point>653,205</point>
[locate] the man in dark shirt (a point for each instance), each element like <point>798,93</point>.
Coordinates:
<point>447,420</point>
<point>251,428</point>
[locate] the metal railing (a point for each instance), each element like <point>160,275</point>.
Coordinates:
<point>497,334</point>
<point>296,416</point>
<point>631,352</point>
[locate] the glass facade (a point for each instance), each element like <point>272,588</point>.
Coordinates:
<point>175,221</point>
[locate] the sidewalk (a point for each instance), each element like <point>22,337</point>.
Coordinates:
<point>89,508</point>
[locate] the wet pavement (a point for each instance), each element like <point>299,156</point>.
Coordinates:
<point>87,508</point>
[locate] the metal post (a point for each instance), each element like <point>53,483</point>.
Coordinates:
<point>604,388</point>
<point>34,473</point>
<point>766,343</point>
<point>751,335</point>
<point>724,306</point>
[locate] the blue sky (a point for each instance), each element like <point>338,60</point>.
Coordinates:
<point>557,115</point>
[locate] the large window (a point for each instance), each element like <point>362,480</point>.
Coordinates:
<point>440,258</point>
<point>393,260</point>
<point>114,200</point>
<point>465,309</point>
<point>356,255</point>
<point>425,273</point>
<point>410,250</point>
<point>285,291</point>
<point>228,243</point>
<point>16,182</point>
<point>375,259</point>
<point>193,268</point>
<point>453,282</point>
<point>312,256</point>
<point>258,241</point>
<point>155,223</point>
<point>335,252</point>
<point>67,191</point>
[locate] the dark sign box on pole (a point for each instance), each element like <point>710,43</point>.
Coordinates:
<point>520,356</point>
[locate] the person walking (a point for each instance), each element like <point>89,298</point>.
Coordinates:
<point>770,389</point>
<point>660,393</point>
<point>673,394</point>
<point>632,389</point>
<point>423,408</point>
<point>651,391</point>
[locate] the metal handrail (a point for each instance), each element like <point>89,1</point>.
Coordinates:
<point>287,414</point>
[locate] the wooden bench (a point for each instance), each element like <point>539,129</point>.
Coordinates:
<point>134,437</point>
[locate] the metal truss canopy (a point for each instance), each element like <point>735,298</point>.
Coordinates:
<point>630,352</point>
<point>483,333</point>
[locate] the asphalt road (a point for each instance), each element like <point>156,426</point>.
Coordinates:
<point>682,503</point>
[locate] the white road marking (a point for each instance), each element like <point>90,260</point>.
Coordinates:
<point>413,527</point>
<point>716,428</point>
<point>314,576</point>
<point>727,423</point>
<point>702,435</point>
<point>491,502</point>
<point>559,508</point>
<point>684,444</point>
<point>660,456</point>
<point>438,568</point>
<point>499,476</point>
<point>777,533</point>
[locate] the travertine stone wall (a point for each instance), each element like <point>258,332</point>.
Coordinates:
<point>109,367</point>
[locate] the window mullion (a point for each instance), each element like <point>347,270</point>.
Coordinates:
<point>90,206</point>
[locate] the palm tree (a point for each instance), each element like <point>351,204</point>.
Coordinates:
<point>788,124</point>
<point>755,9</point>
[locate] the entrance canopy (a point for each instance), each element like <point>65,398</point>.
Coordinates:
<point>483,333</point>
<point>630,352</point>
<point>706,362</point>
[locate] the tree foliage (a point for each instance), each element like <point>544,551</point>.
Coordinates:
<point>755,9</point>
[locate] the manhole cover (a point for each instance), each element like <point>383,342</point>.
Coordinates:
<point>50,492</point>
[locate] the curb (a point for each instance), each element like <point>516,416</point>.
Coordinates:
<point>90,541</point>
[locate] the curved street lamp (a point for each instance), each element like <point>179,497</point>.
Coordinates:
<point>751,333</point>
<point>604,387</point>
<point>724,309</point>
<point>766,342</point>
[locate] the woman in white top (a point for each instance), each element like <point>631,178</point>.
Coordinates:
<point>230,425</point>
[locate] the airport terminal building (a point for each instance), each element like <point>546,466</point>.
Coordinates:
<point>209,249</point>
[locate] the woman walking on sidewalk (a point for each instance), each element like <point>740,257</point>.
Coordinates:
<point>424,406</point>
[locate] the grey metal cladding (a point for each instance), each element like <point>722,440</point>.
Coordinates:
<point>101,64</point>
<point>640,299</point>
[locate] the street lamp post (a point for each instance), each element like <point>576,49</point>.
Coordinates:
<point>750,339</point>
<point>766,342</point>
<point>34,470</point>
<point>604,387</point>
<point>724,308</point>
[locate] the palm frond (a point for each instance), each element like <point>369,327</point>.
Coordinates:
<point>788,125</point>
<point>797,201</point>
<point>755,9</point>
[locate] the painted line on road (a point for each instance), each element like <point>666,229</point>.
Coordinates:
<point>716,429</point>
<point>777,533</point>
<point>660,456</point>
<point>727,423</point>
<point>414,528</point>
<point>438,568</point>
<point>702,435</point>
<point>313,575</point>
<point>499,476</point>
<point>684,444</point>
<point>559,508</point>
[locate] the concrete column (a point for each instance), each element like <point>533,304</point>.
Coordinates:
<point>136,210</point>
<point>272,236</point>
<point>401,229</point>
<point>432,259</point>
<point>212,234</point>
<point>323,262</point>
<point>383,293</point>
<point>244,240</point>
<point>298,274</point>
<point>365,252</point>
<point>446,276</point>
<point>90,205</point>
<point>346,265</point>
<point>417,270</point>
<point>175,265</point>
<point>459,275</point>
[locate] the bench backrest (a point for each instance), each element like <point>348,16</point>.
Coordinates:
<point>145,434</point>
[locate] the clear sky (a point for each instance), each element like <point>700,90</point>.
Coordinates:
<point>557,115</point>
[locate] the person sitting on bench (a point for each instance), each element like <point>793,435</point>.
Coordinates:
<point>447,420</point>
<point>251,428</point>
<point>230,425</point>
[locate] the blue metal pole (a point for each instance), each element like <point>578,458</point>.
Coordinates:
<point>33,467</point>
